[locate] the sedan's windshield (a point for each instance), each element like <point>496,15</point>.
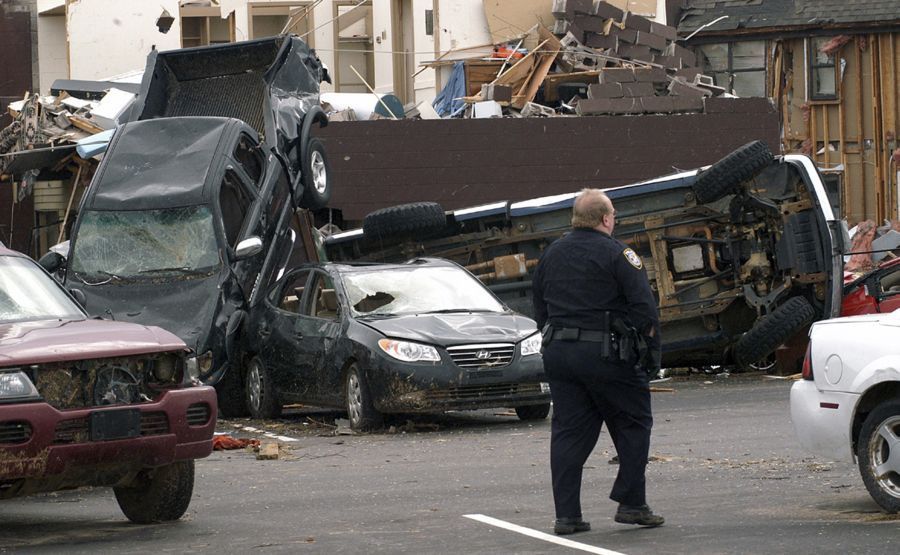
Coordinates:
<point>27,293</point>
<point>417,290</point>
<point>145,243</point>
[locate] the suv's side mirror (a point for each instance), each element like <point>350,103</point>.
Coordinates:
<point>248,247</point>
<point>52,261</point>
<point>78,294</point>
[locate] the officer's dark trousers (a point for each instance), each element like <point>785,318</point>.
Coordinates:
<point>588,391</point>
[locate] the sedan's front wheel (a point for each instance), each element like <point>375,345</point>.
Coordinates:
<point>360,409</point>
<point>262,399</point>
<point>878,451</point>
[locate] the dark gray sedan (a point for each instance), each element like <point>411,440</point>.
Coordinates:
<point>423,336</point>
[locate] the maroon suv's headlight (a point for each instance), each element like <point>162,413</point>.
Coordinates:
<point>16,386</point>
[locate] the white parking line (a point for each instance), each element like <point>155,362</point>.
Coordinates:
<point>270,435</point>
<point>541,535</point>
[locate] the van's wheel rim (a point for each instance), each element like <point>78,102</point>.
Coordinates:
<point>254,385</point>
<point>884,456</point>
<point>354,398</point>
<point>319,172</point>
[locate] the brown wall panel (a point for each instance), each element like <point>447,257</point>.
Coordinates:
<point>465,162</point>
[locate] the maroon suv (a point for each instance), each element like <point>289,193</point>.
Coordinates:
<point>87,402</point>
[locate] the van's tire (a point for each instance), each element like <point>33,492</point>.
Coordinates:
<point>772,330</point>
<point>872,450</point>
<point>158,494</point>
<point>315,175</point>
<point>262,397</point>
<point>230,394</point>
<point>405,219</point>
<point>726,175</point>
<point>533,412</point>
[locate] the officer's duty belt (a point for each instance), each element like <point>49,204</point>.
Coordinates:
<point>578,334</point>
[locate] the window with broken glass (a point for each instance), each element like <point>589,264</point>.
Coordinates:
<point>822,71</point>
<point>739,67</point>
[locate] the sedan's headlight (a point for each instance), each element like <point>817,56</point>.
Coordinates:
<point>409,352</point>
<point>16,386</point>
<point>531,345</point>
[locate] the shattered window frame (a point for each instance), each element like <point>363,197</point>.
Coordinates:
<point>292,304</point>
<point>737,65</point>
<point>821,64</point>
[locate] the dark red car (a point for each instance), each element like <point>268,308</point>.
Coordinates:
<point>874,291</point>
<point>86,402</point>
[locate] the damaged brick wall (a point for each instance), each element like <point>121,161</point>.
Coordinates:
<point>461,163</point>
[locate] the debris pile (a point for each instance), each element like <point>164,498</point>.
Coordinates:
<point>598,60</point>
<point>871,245</point>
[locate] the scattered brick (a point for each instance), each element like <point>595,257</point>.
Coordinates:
<point>655,42</point>
<point>651,75</point>
<point>617,75</point>
<point>636,22</point>
<point>666,32</point>
<point>607,10</point>
<point>638,89</point>
<point>605,90</point>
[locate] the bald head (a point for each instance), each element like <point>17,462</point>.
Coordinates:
<point>590,208</point>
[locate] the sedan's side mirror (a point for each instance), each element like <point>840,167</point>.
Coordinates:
<point>248,247</point>
<point>52,261</point>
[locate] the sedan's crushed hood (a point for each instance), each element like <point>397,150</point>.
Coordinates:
<point>456,329</point>
<point>60,340</point>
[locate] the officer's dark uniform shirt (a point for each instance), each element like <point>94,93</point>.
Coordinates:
<point>585,273</point>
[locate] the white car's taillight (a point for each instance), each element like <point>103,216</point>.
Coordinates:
<point>807,372</point>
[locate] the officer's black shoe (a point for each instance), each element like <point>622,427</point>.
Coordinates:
<point>570,525</point>
<point>640,514</point>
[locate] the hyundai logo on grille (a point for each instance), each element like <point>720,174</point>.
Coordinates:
<point>483,354</point>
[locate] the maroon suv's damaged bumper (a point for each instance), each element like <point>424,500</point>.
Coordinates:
<point>59,449</point>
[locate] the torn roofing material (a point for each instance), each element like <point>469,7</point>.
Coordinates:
<point>764,14</point>
<point>165,161</point>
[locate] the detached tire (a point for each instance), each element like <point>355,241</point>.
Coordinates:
<point>772,330</point>
<point>262,398</point>
<point>873,450</point>
<point>158,494</point>
<point>726,175</point>
<point>405,219</point>
<point>315,175</point>
<point>533,412</point>
<point>360,409</point>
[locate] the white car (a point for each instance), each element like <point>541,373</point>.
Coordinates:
<point>848,403</point>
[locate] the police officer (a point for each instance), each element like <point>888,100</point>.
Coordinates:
<point>593,302</point>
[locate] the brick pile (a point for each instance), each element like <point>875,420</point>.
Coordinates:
<point>641,67</point>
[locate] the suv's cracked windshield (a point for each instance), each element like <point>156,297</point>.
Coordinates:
<point>117,245</point>
<point>417,290</point>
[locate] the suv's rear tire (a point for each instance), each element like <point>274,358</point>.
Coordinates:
<point>158,494</point>
<point>726,175</point>
<point>533,412</point>
<point>315,175</point>
<point>262,398</point>
<point>405,219</point>
<point>772,330</point>
<point>872,450</point>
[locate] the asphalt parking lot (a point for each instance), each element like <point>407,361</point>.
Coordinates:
<point>725,473</point>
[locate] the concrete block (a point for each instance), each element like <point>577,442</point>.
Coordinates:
<point>688,73</point>
<point>657,104</point>
<point>636,22</point>
<point>599,106</point>
<point>674,62</point>
<point>680,88</point>
<point>688,57</point>
<point>634,52</point>
<point>568,8</point>
<point>602,42</point>
<point>560,27</point>
<point>668,33</point>
<point>687,103</point>
<point>617,75</point>
<point>496,92</point>
<point>605,90</point>
<point>724,105</point>
<point>589,23</point>
<point>638,89</point>
<point>608,11</point>
<point>651,75</point>
<point>626,35</point>
<point>655,42</point>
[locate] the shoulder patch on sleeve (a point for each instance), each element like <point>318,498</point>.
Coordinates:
<point>633,258</point>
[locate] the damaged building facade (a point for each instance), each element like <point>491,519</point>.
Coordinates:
<point>673,93</point>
